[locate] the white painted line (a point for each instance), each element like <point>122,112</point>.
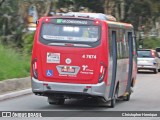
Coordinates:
<point>15,94</point>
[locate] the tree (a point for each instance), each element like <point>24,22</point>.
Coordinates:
<point>9,21</point>
<point>109,6</point>
<point>14,13</point>
<point>14,18</point>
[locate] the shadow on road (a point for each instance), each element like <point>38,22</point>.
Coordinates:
<point>83,104</point>
<point>145,72</point>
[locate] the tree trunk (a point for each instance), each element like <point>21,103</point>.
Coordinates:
<point>122,7</point>
<point>109,7</point>
<point>49,5</point>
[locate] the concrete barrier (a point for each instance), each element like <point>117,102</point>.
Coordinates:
<point>15,84</point>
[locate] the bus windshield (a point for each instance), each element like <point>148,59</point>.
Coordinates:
<point>70,33</point>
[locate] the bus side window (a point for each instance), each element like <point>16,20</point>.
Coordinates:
<point>119,45</point>
<point>134,44</point>
<point>110,44</point>
<point>127,43</point>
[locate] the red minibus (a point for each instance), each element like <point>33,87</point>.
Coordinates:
<point>81,56</point>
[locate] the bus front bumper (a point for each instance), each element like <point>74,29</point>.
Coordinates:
<point>45,88</point>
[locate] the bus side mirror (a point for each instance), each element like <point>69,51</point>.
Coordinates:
<point>37,22</point>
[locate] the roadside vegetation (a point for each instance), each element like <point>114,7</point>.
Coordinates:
<point>13,64</point>
<point>151,43</point>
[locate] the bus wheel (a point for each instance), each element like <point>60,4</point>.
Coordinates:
<point>58,101</point>
<point>113,100</point>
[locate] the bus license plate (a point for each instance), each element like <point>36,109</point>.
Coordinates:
<point>68,69</point>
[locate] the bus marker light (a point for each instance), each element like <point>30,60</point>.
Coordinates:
<point>88,86</point>
<point>47,20</point>
<point>45,84</point>
<point>97,22</point>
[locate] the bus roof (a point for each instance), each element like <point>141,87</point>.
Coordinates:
<point>119,24</point>
<point>93,15</point>
<point>110,20</point>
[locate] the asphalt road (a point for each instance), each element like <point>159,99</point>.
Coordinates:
<point>146,97</point>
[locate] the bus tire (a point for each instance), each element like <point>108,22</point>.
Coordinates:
<point>127,97</point>
<point>113,100</point>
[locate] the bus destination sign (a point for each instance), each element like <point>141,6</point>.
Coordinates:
<point>72,21</point>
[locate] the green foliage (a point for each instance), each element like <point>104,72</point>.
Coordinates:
<point>94,5</point>
<point>27,42</point>
<point>13,64</point>
<point>151,43</point>
<point>11,25</point>
<point>139,13</point>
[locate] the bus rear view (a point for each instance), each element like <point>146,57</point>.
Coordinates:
<point>70,59</point>
<point>65,58</point>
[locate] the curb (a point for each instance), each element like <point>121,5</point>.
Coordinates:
<point>15,94</point>
<point>16,84</point>
<point>15,87</point>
